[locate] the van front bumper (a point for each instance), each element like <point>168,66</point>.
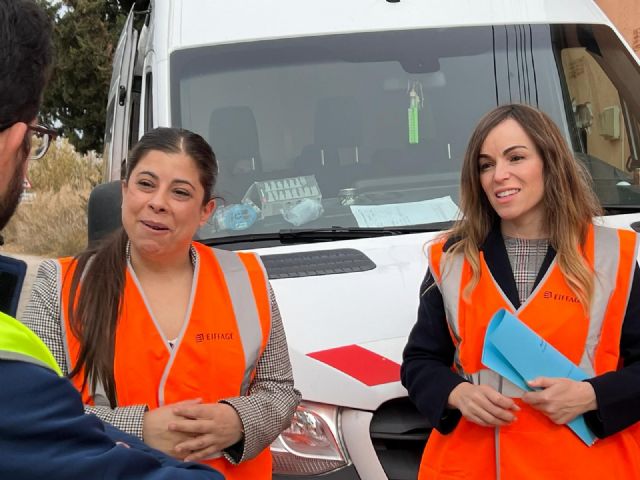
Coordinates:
<point>346,473</point>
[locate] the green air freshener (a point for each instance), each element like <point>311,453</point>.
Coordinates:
<point>414,128</point>
<point>412,117</point>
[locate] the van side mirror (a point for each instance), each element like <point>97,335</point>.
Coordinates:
<point>12,273</point>
<point>104,213</point>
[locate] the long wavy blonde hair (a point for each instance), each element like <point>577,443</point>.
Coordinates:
<point>569,201</point>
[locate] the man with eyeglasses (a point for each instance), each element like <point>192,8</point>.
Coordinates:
<point>11,185</point>
<point>44,432</point>
<point>43,137</point>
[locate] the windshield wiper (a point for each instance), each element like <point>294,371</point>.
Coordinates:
<point>328,234</point>
<point>247,238</point>
<point>324,234</point>
<point>612,209</point>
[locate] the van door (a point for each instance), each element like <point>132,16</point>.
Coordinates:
<point>119,102</point>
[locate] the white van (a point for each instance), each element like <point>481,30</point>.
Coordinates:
<point>340,128</point>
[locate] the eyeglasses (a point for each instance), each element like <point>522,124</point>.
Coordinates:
<point>41,138</point>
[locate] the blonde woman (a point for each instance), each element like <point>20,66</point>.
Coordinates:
<point>527,243</point>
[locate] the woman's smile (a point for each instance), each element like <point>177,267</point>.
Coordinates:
<point>512,177</point>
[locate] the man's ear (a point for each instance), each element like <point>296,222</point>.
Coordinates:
<point>11,139</point>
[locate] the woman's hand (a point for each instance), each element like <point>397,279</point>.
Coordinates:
<point>561,399</point>
<point>483,405</point>
<point>155,428</point>
<point>212,428</point>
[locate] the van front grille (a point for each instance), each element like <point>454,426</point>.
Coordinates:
<point>322,262</point>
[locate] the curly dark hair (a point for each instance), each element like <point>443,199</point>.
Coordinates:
<point>26,54</point>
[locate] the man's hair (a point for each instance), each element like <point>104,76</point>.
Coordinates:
<point>26,54</point>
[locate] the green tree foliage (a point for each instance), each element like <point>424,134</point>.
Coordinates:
<point>85,36</point>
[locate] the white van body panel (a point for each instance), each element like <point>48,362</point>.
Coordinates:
<point>204,22</point>
<point>372,311</point>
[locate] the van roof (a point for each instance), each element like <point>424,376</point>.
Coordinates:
<point>205,22</point>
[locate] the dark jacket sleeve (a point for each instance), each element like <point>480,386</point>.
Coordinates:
<point>44,433</point>
<point>427,359</point>
<point>618,393</point>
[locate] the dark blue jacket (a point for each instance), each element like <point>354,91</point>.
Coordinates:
<point>45,434</point>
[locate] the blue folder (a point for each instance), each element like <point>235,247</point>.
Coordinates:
<point>519,354</point>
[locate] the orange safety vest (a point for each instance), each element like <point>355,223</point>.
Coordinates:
<point>215,355</point>
<point>533,447</point>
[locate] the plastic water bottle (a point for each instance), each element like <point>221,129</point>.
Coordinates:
<point>303,212</point>
<point>239,216</point>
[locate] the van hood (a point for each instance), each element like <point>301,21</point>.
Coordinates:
<point>346,332</point>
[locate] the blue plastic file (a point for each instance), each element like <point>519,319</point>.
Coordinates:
<point>519,354</point>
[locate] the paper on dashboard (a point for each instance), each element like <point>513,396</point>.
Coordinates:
<point>441,209</point>
<point>519,354</point>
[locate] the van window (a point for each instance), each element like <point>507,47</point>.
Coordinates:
<point>134,113</point>
<point>605,110</point>
<point>386,116</point>
<point>596,106</point>
<point>108,138</point>
<point>148,102</point>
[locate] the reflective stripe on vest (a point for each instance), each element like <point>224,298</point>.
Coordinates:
<point>606,260</point>
<point>19,343</point>
<point>447,274</point>
<point>246,313</point>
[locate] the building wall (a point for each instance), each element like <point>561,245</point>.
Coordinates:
<point>625,15</point>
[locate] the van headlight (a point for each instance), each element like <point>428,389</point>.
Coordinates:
<point>312,445</point>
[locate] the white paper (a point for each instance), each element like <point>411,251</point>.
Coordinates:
<point>400,214</point>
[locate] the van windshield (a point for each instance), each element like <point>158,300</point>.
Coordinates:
<point>369,129</point>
